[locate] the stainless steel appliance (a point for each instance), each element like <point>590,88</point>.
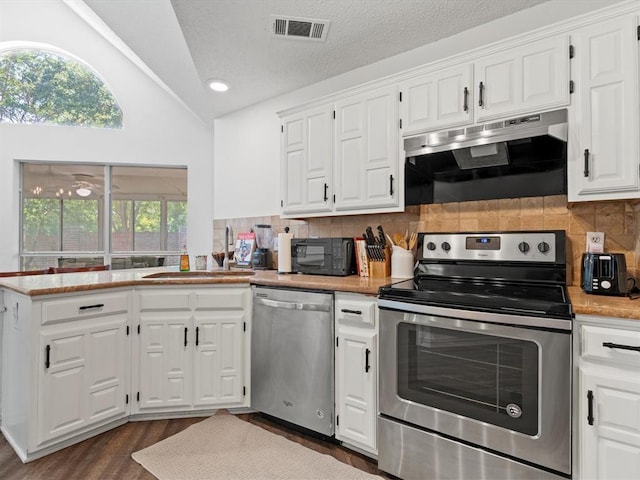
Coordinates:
<point>520,157</point>
<point>292,366</point>
<point>323,256</point>
<point>475,360</point>
<point>605,274</point>
<point>262,257</point>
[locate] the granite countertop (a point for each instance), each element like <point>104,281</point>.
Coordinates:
<point>34,285</point>
<point>621,307</point>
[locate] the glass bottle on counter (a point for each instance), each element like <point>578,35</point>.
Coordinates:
<point>184,260</point>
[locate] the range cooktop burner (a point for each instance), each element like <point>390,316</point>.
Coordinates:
<point>499,297</point>
<point>522,273</point>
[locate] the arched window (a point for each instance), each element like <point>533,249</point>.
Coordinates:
<point>38,86</point>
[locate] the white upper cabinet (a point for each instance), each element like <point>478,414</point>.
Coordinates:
<point>520,80</point>
<point>603,159</point>
<point>523,79</point>
<point>367,150</point>
<point>307,161</point>
<point>437,100</point>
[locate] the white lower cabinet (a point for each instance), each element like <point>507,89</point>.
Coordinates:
<point>191,348</point>
<point>608,397</point>
<point>84,375</point>
<point>356,370</point>
<point>66,368</point>
<point>74,364</point>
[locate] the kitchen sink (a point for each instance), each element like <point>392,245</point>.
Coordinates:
<point>201,274</point>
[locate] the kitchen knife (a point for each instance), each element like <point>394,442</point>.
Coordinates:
<point>383,239</point>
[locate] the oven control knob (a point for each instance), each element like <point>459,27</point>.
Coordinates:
<point>446,246</point>
<point>431,246</point>
<point>523,247</point>
<point>543,247</point>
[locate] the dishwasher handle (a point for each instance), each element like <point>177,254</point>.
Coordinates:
<point>315,307</point>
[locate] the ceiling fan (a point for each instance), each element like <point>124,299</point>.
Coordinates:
<point>84,185</point>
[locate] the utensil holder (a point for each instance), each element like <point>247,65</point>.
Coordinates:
<point>401,263</point>
<point>381,268</point>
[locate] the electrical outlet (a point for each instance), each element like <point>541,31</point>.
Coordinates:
<point>595,242</point>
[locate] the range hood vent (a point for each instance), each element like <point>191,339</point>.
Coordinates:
<point>553,124</point>
<point>299,28</point>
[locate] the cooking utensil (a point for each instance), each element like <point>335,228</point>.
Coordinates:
<point>391,242</point>
<point>413,238</point>
<point>399,240</point>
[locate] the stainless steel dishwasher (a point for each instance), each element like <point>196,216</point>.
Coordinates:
<point>292,357</point>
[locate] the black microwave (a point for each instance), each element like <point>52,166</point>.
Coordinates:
<point>323,256</point>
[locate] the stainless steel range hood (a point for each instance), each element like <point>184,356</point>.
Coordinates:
<point>553,124</point>
<point>519,157</point>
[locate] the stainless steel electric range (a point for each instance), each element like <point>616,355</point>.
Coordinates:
<point>475,360</point>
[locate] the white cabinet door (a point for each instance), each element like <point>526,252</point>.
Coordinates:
<point>603,146</point>
<point>524,79</point>
<point>437,100</point>
<point>307,161</point>
<point>192,347</point>
<point>366,150</point>
<point>83,375</point>
<point>165,360</point>
<point>356,380</point>
<point>220,319</point>
<point>610,446</point>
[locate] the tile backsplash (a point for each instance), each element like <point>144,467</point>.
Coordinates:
<point>620,220</point>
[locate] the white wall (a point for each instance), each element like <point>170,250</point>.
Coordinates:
<point>246,146</point>
<point>158,129</point>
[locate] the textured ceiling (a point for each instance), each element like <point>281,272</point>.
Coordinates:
<point>188,41</point>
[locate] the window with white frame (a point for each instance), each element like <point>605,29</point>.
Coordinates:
<point>64,222</point>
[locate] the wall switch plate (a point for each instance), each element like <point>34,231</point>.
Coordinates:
<point>595,242</point>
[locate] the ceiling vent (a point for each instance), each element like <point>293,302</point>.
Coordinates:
<point>299,28</point>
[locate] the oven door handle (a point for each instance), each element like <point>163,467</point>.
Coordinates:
<point>590,418</point>
<point>316,307</point>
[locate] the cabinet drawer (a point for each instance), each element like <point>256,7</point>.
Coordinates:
<point>84,306</point>
<point>612,344</point>
<point>356,311</point>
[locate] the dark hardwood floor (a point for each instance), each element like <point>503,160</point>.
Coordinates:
<point>108,456</point>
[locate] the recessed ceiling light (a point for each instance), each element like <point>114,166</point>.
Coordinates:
<point>217,85</point>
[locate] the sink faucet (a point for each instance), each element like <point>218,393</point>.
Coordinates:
<point>228,237</point>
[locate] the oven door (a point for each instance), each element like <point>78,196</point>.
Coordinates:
<point>505,388</point>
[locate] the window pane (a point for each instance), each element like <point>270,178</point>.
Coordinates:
<point>80,225</point>
<point>147,226</point>
<point>122,225</point>
<point>42,87</point>
<point>176,225</point>
<point>41,224</point>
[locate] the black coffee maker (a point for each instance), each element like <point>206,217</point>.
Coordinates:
<point>605,274</point>
<point>262,257</point>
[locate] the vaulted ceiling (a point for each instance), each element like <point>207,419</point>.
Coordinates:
<point>187,42</point>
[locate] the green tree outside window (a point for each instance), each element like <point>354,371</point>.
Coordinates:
<point>42,87</point>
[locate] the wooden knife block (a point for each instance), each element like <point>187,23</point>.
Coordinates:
<point>378,269</point>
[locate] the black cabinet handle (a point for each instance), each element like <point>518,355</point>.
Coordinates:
<point>47,358</point>
<point>326,187</point>
<point>481,95</point>
<point>185,336</point>
<point>590,412</point>
<point>586,162</point>
<point>197,335</point>
<point>90,307</point>
<point>391,185</point>
<point>367,352</point>
<point>620,346</point>
<point>465,105</point>
<point>355,312</point>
